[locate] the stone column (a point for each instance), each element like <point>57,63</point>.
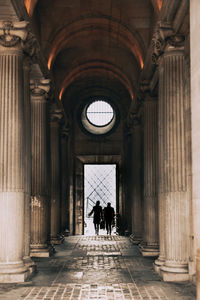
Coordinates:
<point>55,232</point>
<point>161,174</point>
<point>195,132</point>
<point>149,246</point>
<point>40,202</point>
<point>175,163</point>
<point>12,268</point>
<point>27,165</point>
<point>198,275</point>
<point>127,182</point>
<point>136,170</point>
<point>64,181</point>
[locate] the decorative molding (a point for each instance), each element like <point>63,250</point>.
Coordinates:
<point>12,33</point>
<point>165,38</point>
<point>164,30</point>
<point>56,114</point>
<point>135,116</point>
<point>40,87</point>
<point>31,46</point>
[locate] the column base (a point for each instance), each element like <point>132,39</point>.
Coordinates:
<point>14,273</point>
<point>149,250</point>
<point>57,240</point>
<point>174,273</point>
<point>135,239</point>
<point>158,263</point>
<point>66,232</point>
<point>41,251</point>
<point>29,263</point>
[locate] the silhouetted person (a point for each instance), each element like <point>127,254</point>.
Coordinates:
<point>109,217</point>
<point>97,210</point>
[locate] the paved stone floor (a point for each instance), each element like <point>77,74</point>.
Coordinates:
<point>96,267</point>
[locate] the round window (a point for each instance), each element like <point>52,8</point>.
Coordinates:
<point>99,113</point>
<point>98,117</point>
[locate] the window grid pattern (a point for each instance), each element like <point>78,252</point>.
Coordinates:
<point>99,185</point>
<point>100,113</point>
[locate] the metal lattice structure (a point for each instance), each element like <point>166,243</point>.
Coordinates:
<point>99,185</point>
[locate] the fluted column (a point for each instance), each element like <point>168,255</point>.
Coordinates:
<point>195,138</point>
<point>176,185</point>
<point>64,181</point>
<point>12,268</point>
<point>136,176</point>
<point>55,233</point>
<point>27,165</point>
<point>40,202</point>
<point>161,174</point>
<point>175,163</point>
<point>149,246</point>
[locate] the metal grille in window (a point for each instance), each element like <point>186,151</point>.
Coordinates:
<point>100,184</point>
<point>99,113</point>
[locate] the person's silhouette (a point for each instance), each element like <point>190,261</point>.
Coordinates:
<point>109,217</point>
<point>97,210</point>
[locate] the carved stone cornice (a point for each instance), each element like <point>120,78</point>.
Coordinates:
<point>40,88</point>
<point>12,33</point>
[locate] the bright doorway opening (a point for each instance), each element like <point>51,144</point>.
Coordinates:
<point>99,185</point>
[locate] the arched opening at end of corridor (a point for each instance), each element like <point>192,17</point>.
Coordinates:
<point>100,184</point>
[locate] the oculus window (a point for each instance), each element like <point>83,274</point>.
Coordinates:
<point>98,117</point>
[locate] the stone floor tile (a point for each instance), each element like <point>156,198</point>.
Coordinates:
<point>96,267</point>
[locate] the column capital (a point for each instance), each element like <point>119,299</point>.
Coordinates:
<point>56,115</point>
<point>40,87</point>
<point>31,46</point>
<point>135,116</point>
<point>65,131</point>
<point>12,33</point>
<point>165,40</point>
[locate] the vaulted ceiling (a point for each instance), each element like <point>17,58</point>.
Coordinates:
<point>94,47</point>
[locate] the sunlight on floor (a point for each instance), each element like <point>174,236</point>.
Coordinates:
<point>89,228</point>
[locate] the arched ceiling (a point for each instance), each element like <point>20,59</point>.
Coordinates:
<point>94,43</point>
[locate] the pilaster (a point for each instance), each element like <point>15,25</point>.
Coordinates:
<point>55,117</point>
<point>12,268</point>
<point>149,247</point>
<point>40,202</point>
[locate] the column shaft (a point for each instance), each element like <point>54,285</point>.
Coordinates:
<point>175,168</point>
<point>136,161</point>
<point>12,268</point>
<point>40,202</point>
<point>64,184</point>
<point>27,165</point>
<point>150,242</point>
<point>55,183</point>
<point>161,174</point>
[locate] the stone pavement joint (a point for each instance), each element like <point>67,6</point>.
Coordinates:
<point>96,267</point>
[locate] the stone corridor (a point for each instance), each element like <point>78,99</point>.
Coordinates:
<point>96,267</point>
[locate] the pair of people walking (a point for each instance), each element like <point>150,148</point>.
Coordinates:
<point>103,215</point>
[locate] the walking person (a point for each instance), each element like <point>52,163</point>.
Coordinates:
<point>97,211</point>
<point>109,214</point>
